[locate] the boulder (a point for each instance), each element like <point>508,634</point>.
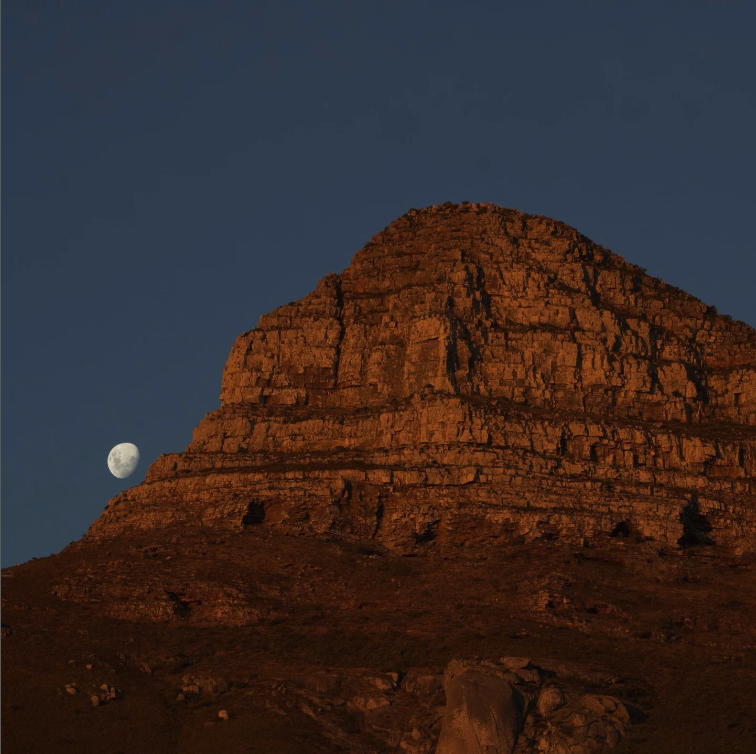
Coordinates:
<point>550,699</point>
<point>484,713</point>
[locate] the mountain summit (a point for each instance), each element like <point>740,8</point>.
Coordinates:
<point>476,374</point>
<point>490,490</point>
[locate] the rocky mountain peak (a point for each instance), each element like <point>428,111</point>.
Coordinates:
<point>524,474</point>
<point>476,374</point>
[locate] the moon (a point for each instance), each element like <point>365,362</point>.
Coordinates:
<point>123,459</point>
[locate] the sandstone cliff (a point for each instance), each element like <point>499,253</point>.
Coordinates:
<point>476,374</point>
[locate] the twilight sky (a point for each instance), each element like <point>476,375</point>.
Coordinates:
<point>173,170</point>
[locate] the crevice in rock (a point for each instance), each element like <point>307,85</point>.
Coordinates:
<point>346,492</point>
<point>480,285</point>
<point>696,526</point>
<point>378,518</point>
<point>694,376</point>
<point>654,336</point>
<point>180,607</point>
<point>622,529</point>
<point>428,533</point>
<point>452,354</point>
<point>255,514</point>
<point>563,446</point>
<point>590,284</point>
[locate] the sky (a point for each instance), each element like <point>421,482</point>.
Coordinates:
<point>174,170</point>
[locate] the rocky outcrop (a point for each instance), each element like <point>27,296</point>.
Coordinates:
<point>476,375</point>
<point>484,712</point>
<point>505,707</point>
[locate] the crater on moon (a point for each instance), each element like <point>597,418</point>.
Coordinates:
<point>123,459</point>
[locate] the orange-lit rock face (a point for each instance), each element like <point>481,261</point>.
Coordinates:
<point>477,374</point>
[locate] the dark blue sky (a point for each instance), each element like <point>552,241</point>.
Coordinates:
<point>173,170</point>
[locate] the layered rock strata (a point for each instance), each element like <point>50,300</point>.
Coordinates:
<point>476,374</point>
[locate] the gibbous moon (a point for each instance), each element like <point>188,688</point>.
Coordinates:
<point>123,459</point>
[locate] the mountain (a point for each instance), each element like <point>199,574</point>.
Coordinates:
<point>476,374</point>
<point>491,486</point>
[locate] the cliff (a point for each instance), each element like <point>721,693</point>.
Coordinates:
<point>476,374</point>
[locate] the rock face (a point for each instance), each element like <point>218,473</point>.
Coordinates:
<point>484,712</point>
<point>475,375</point>
<point>492,710</point>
